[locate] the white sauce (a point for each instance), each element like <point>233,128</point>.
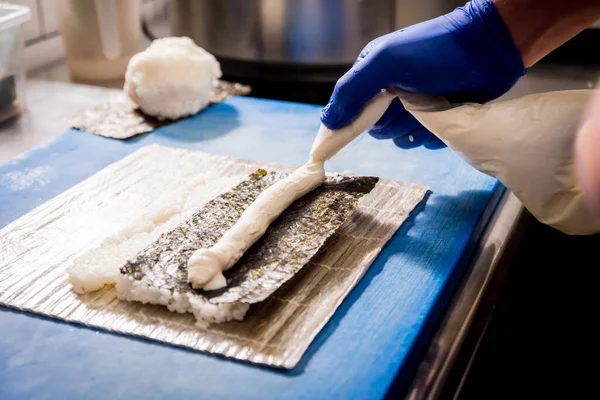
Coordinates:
<point>206,266</point>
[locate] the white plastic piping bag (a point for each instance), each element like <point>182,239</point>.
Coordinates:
<point>329,142</point>
<point>526,143</point>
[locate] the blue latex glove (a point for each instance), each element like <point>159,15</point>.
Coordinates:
<point>465,55</point>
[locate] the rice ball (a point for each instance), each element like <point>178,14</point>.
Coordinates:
<point>172,78</point>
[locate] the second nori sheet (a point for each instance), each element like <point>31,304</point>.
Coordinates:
<point>287,245</point>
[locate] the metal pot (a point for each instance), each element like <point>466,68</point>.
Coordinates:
<point>310,40</point>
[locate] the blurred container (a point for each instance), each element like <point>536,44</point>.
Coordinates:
<point>99,37</point>
<point>12,70</point>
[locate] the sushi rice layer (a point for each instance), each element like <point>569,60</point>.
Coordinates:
<point>101,266</point>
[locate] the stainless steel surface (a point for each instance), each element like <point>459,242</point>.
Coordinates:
<point>298,32</point>
<point>487,258</point>
<point>311,32</point>
<point>307,40</point>
<point>289,31</point>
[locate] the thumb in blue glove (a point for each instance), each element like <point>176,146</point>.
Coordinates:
<point>466,55</point>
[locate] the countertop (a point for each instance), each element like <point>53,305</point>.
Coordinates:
<point>48,107</point>
<point>467,222</point>
<point>49,104</point>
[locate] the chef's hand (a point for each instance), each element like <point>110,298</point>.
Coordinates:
<point>466,55</point>
<point>587,153</point>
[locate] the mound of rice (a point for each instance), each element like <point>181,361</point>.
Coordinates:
<point>172,78</point>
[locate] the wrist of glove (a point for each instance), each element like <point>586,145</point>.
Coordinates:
<point>466,55</point>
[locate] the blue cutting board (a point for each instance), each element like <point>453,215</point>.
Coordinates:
<point>371,344</point>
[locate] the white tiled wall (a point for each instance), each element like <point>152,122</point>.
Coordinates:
<point>42,41</point>
<point>42,24</point>
<point>48,23</point>
<point>31,28</point>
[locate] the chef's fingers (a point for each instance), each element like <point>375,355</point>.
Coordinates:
<point>354,89</point>
<point>587,153</point>
<point>415,138</point>
<point>434,143</point>
<point>395,122</point>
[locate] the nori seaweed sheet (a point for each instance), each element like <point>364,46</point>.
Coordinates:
<point>287,245</point>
